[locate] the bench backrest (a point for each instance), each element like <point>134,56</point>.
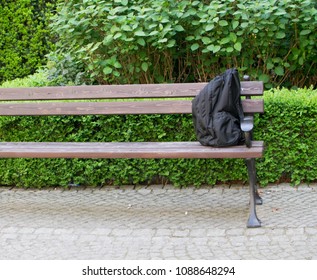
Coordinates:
<point>121,99</point>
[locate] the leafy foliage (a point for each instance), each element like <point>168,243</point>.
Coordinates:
<point>38,79</point>
<point>24,37</point>
<point>63,69</point>
<point>146,41</point>
<point>288,128</point>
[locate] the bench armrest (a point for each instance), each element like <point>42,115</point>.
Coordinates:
<point>247,127</point>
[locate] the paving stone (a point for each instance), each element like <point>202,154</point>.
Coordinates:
<point>158,222</point>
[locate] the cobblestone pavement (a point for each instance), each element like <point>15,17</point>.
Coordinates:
<point>157,223</point>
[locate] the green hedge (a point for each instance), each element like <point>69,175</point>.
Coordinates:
<point>39,79</point>
<point>145,41</point>
<point>24,36</point>
<point>290,132</point>
<point>288,128</point>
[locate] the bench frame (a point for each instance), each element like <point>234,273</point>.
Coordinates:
<point>130,99</point>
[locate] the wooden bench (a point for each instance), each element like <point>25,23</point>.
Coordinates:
<point>129,99</point>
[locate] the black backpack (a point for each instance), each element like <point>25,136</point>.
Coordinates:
<point>217,111</point>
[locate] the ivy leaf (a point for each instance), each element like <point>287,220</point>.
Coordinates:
<point>214,48</point>
<point>305,32</point>
<point>140,33</point>
<point>153,33</point>
<point>237,46</point>
<point>235,24</point>
<point>264,77</point>
<point>171,43</point>
<point>194,47</point>
<point>206,40</point>
<point>209,27</point>
<point>223,23</point>
<point>126,27</point>
<point>225,40</point>
<point>107,70</point>
<point>117,35</point>
<point>179,28</point>
<point>141,42</point>
<point>117,64</point>
<point>233,37</point>
<point>269,65</point>
<point>279,70</point>
<point>145,66</point>
<point>280,35</point>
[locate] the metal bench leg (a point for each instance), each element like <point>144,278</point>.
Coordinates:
<point>258,199</point>
<point>253,220</point>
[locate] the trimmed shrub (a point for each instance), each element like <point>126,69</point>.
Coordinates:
<point>150,41</point>
<point>38,79</point>
<point>24,37</point>
<point>288,128</point>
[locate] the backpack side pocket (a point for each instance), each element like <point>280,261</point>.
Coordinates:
<point>227,129</point>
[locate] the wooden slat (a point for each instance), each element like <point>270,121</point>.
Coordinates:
<point>125,150</point>
<point>252,88</point>
<point>110,108</point>
<point>253,106</point>
<point>117,91</point>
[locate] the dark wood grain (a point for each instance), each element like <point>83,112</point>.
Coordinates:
<point>117,91</point>
<point>126,150</point>
<point>111,108</point>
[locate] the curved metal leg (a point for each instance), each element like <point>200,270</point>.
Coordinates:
<point>253,220</point>
<point>258,199</point>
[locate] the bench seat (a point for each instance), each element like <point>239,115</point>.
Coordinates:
<point>123,100</point>
<point>126,150</point>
